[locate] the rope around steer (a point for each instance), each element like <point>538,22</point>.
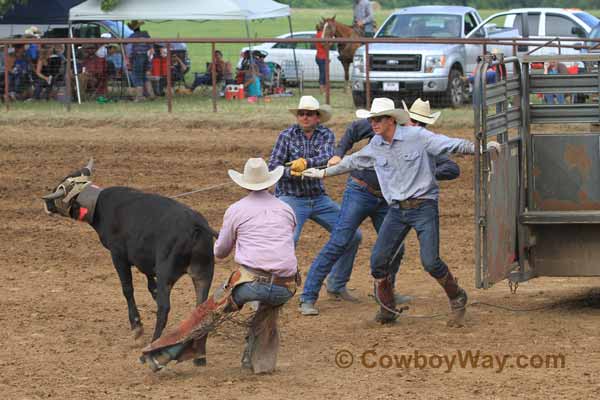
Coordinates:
<point>200,190</point>
<point>221,185</point>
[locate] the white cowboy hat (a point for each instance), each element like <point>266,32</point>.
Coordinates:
<point>383,106</point>
<point>256,175</point>
<point>421,111</point>
<point>312,104</point>
<point>33,31</point>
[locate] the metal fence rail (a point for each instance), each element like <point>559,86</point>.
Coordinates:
<point>72,73</point>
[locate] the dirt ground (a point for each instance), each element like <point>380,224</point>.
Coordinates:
<point>65,332</point>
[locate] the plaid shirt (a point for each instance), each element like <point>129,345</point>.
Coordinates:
<point>292,144</point>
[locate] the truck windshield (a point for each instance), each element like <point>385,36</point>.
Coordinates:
<point>422,25</point>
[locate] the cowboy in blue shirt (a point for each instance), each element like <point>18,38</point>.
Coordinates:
<point>362,199</point>
<point>402,157</point>
<point>308,144</point>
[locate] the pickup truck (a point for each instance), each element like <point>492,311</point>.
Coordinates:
<point>428,70</point>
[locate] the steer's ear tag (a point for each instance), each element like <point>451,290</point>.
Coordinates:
<point>82,213</point>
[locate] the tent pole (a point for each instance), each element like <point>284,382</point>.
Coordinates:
<point>6,97</point>
<point>294,52</point>
<point>75,65</point>
<point>123,63</point>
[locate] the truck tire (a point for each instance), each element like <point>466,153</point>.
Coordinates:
<point>359,99</point>
<point>454,96</point>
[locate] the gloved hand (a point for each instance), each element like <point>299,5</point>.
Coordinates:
<point>298,165</point>
<point>295,173</point>
<point>334,161</point>
<point>493,145</point>
<point>314,173</point>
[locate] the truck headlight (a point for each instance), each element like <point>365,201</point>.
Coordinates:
<point>433,62</point>
<point>359,63</point>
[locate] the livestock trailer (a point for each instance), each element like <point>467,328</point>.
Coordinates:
<point>537,202</point>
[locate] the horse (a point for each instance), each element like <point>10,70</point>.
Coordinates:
<point>334,29</point>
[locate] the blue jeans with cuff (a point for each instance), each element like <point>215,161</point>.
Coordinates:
<point>325,212</point>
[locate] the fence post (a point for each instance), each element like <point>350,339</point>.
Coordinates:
<point>68,86</point>
<point>6,77</point>
<point>169,83</point>
<point>213,75</point>
<point>367,80</point>
<point>327,84</point>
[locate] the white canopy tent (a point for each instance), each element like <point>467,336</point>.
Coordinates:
<point>181,10</point>
<point>197,10</point>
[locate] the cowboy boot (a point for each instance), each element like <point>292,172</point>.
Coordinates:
<point>384,295</point>
<point>457,297</point>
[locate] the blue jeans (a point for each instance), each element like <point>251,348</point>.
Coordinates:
<point>357,204</point>
<point>321,64</point>
<point>140,66</point>
<point>324,212</point>
<point>396,225</point>
<point>273,295</point>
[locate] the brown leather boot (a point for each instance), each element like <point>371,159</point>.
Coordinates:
<point>384,295</point>
<point>458,299</point>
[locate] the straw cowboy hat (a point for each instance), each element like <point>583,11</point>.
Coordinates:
<point>134,24</point>
<point>383,106</point>
<point>421,111</point>
<point>311,104</point>
<point>256,175</point>
<point>33,31</point>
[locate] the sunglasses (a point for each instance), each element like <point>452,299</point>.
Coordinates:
<point>303,113</point>
<point>377,119</point>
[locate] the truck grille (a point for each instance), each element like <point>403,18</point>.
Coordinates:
<point>395,62</point>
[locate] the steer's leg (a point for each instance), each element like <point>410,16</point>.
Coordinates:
<point>152,285</point>
<point>201,271</point>
<point>124,271</point>
<point>164,285</point>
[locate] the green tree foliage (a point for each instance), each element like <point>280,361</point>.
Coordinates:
<point>108,5</point>
<point>6,5</point>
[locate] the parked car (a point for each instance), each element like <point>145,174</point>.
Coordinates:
<point>429,70</point>
<point>543,24</point>
<point>283,55</point>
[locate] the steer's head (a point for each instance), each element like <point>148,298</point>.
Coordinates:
<point>63,197</point>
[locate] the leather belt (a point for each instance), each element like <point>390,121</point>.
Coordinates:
<point>408,203</point>
<point>267,277</point>
<point>374,192</point>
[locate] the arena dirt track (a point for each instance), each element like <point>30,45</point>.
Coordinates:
<point>64,324</point>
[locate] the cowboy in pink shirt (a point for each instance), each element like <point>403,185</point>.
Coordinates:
<point>261,229</point>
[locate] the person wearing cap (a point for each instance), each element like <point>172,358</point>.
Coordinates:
<point>402,159</point>
<point>363,198</point>
<point>363,17</point>
<point>261,230</point>
<point>309,144</point>
<point>139,55</point>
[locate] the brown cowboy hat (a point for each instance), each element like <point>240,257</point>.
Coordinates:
<point>134,24</point>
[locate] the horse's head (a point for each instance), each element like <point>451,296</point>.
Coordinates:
<point>329,27</point>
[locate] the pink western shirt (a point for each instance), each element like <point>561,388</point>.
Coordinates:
<point>262,229</point>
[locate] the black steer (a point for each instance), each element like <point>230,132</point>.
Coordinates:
<point>164,239</point>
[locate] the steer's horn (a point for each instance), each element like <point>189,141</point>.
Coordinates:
<point>53,196</point>
<point>89,167</point>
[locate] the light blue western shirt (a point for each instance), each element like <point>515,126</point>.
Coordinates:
<point>404,167</point>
